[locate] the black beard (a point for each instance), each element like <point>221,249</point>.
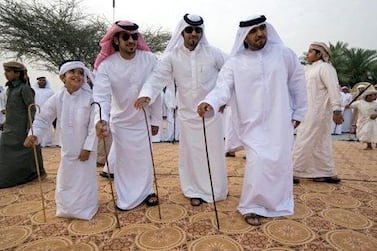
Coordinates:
<point>194,43</point>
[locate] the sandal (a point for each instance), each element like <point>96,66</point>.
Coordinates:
<point>151,200</point>
<point>230,154</point>
<point>296,180</point>
<point>195,202</point>
<point>333,180</point>
<point>252,219</point>
<point>120,209</point>
<point>106,175</point>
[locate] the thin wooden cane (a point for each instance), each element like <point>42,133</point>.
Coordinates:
<point>108,173</point>
<point>174,117</point>
<point>154,169</point>
<point>36,158</point>
<point>210,176</point>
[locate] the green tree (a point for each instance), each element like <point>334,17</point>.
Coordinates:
<point>361,65</point>
<point>157,39</point>
<point>338,60</point>
<point>51,32</point>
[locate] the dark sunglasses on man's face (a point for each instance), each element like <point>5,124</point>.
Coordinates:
<point>127,36</point>
<point>190,29</point>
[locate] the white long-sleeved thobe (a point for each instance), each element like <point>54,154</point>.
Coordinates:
<point>41,96</point>
<point>76,181</point>
<point>337,129</point>
<point>268,87</point>
<point>313,154</point>
<point>347,113</point>
<point>366,128</point>
<point>172,127</point>
<point>116,87</point>
<point>195,73</point>
<point>232,138</point>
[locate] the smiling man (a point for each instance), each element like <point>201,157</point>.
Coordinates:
<point>122,66</point>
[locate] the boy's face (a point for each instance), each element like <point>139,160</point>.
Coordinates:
<point>11,75</point>
<point>313,56</point>
<point>371,97</point>
<point>73,79</point>
<point>42,83</point>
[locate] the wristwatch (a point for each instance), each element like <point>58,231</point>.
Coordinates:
<point>337,112</point>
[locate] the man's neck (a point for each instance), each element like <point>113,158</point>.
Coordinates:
<point>127,56</point>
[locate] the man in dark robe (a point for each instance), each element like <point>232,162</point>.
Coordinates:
<point>17,163</point>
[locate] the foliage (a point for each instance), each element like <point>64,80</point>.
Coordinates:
<point>54,31</point>
<point>49,33</point>
<point>157,39</point>
<point>353,65</point>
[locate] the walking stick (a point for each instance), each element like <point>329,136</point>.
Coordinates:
<point>174,114</point>
<point>36,158</point>
<point>210,176</point>
<point>353,100</point>
<point>154,169</point>
<point>107,162</point>
<point>358,95</point>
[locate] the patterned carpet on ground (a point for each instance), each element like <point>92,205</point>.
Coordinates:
<point>327,217</point>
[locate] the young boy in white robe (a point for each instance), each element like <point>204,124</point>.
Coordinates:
<point>366,125</point>
<point>76,180</point>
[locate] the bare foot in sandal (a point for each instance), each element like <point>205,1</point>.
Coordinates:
<point>195,202</point>
<point>151,200</point>
<point>252,219</point>
<point>369,146</point>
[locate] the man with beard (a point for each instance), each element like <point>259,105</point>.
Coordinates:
<point>194,66</point>
<point>122,67</point>
<point>267,83</point>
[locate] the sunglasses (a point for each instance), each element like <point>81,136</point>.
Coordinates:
<point>190,29</point>
<point>127,36</point>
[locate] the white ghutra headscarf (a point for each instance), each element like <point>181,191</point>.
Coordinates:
<point>247,25</point>
<point>77,65</point>
<point>177,38</point>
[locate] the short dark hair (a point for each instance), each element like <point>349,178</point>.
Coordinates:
<point>115,46</point>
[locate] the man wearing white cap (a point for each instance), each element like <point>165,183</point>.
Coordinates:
<point>360,87</point>
<point>366,130</point>
<point>347,113</point>
<point>267,82</point>
<point>43,92</point>
<point>313,153</point>
<point>194,65</point>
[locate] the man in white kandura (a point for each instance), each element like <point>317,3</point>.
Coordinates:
<point>124,63</point>
<point>194,66</point>
<point>267,82</point>
<point>43,92</point>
